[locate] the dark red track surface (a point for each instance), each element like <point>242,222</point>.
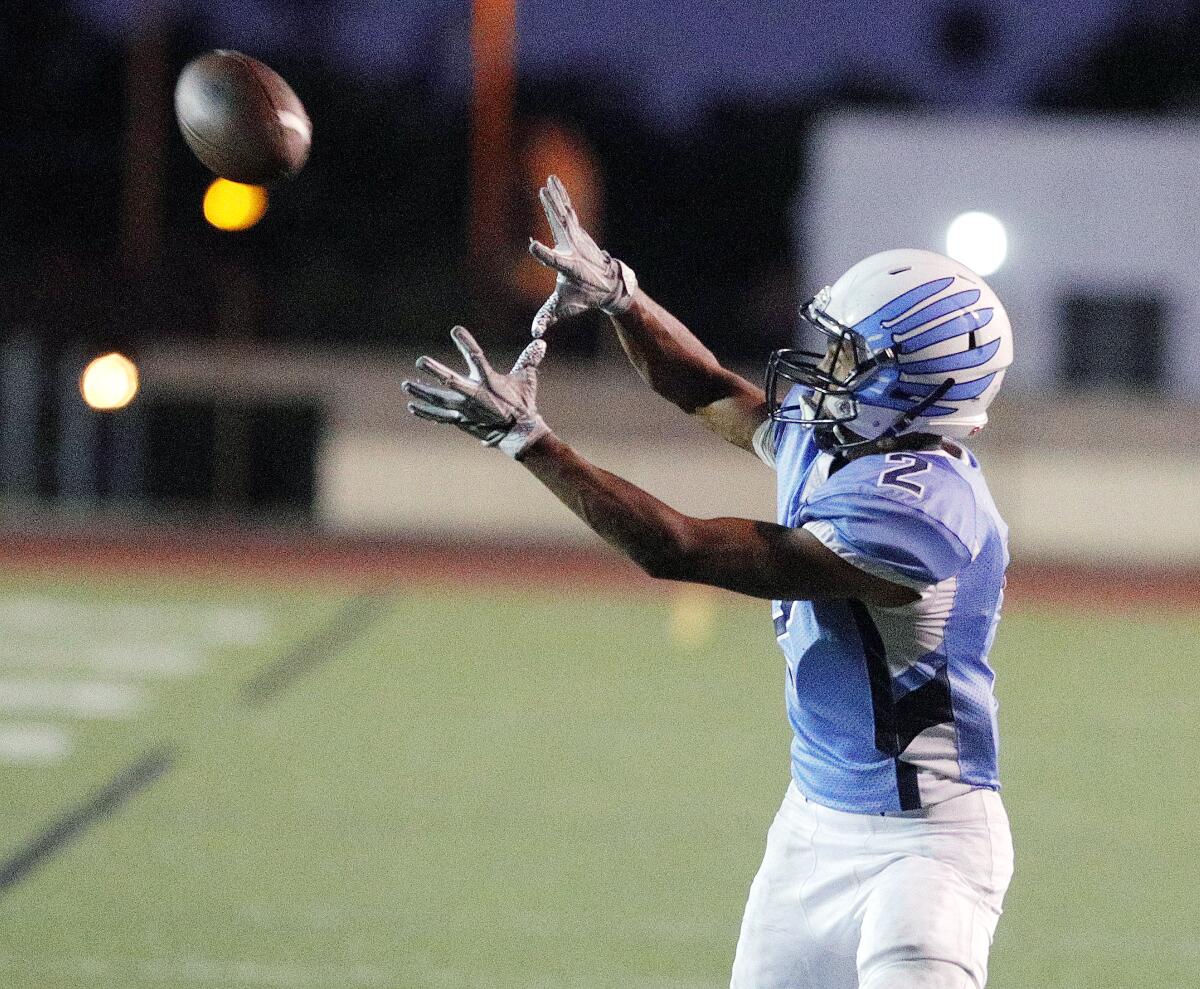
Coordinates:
<point>230,554</point>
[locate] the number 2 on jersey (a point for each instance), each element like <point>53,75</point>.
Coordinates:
<point>896,477</point>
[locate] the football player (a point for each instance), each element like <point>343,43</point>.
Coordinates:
<point>888,860</point>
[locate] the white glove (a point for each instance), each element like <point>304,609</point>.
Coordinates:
<point>588,278</point>
<point>498,409</point>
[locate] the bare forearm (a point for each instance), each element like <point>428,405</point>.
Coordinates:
<point>760,559</point>
<point>683,371</point>
<point>669,356</point>
<point>645,529</point>
<point>742,555</point>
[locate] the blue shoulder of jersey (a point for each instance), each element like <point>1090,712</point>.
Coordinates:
<point>907,516</point>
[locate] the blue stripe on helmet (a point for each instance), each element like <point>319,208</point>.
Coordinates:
<point>904,404</point>
<point>965,323</point>
<point>882,391</point>
<point>871,328</point>
<point>957,393</point>
<point>936,310</point>
<point>953,362</point>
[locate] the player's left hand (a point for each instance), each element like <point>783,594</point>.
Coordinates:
<point>588,278</point>
<point>498,409</point>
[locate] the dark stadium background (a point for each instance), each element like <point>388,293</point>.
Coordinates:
<point>351,709</point>
<point>371,248</point>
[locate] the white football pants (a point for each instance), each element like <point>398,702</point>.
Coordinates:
<point>868,901</point>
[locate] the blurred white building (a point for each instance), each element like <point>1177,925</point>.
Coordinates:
<point>1102,277</point>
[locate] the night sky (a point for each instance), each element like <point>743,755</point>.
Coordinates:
<point>678,53</point>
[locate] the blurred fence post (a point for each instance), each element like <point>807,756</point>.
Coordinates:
<point>493,51</point>
<point>147,89</point>
<point>240,316</point>
<point>77,432</point>
<point>20,409</point>
<point>126,467</point>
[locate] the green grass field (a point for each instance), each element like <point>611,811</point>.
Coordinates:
<point>483,791</point>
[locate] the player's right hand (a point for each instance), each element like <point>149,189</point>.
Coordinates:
<point>588,278</point>
<point>496,408</point>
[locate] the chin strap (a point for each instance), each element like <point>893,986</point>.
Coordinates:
<point>889,439</point>
<point>913,414</point>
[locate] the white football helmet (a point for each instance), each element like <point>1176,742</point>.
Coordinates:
<point>918,343</point>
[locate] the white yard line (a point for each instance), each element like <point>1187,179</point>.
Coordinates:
<point>153,659</point>
<point>59,618</point>
<point>199,971</point>
<point>80,698</point>
<point>120,639</point>
<point>213,971</point>
<point>33,744</point>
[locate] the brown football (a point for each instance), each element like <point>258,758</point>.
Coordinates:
<point>241,119</point>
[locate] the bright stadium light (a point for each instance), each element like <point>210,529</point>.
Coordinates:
<point>110,382</point>
<point>979,241</point>
<point>234,205</point>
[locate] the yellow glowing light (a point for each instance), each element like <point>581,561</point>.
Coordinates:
<point>109,382</point>
<point>693,616</point>
<point>233,205</point>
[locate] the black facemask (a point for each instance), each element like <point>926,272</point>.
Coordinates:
<point>825,400</point>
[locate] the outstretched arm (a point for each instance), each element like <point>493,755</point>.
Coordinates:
<point>665,352</point>
<point>683,371</point>
<point>760,559</point>
<point>755,558</point>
